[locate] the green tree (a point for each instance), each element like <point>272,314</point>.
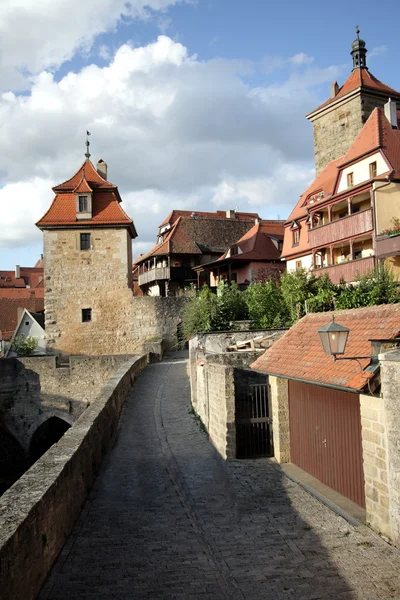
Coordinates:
<point>199,313</point>
<point>266,307</point>
<point>377,287</point>
<point>231,305</point>
<point>24,345</point>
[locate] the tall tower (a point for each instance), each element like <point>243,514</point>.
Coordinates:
<point>338,121</point>
<point>87,264</point>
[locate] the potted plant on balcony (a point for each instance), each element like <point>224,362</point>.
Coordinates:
<point>394,229</point>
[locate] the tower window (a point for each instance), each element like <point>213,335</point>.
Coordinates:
<point>86,315</point>
<point>350,179</point>
<point>83,204</point>
<point>85,241</point>
<point>372,170</point>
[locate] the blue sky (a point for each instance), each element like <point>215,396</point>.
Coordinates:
<point>210,115</point>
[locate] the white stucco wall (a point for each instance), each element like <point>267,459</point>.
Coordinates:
<point>30,327</point>
<point>306,262</point>
<point>360,170</point>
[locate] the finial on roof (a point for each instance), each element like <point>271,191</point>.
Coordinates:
<point>358,52</point>
<point>87,153</point>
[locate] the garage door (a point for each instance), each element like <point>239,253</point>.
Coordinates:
<point>325,437</point>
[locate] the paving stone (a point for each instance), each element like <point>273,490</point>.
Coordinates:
<point>168,519</point>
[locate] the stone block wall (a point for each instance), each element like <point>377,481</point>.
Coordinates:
<point>374,444</point>
<point>279,394</point>
<point>38,512</point>
<point>221,409</point>
<point>41,390</point>
<point>336,127</point>
<point>390,375</point>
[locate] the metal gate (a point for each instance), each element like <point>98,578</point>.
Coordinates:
<point>253,423</point>
<point>325,437</point>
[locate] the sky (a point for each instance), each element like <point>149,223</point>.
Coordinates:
<point>194,104</point>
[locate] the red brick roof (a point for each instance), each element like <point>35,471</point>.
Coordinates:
<point>106,209</point>
<point>359,78</point>
<point>9,313</point>
<point>24,292</point>
<point>298,354</point>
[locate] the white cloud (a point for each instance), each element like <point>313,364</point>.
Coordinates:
<point>378,51</point>
<point>175,131</point>
<point>301,59</point>
<point>45,33</point>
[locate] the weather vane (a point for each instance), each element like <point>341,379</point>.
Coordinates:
<point>357,31</point>
<point>87,154</point>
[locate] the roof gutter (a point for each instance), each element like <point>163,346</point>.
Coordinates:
<point>340,388</point>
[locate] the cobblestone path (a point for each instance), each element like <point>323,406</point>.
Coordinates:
<point>168,519</point>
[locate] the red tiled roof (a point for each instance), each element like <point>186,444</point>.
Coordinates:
<point>29,276</point>
<point>357,79</point>
<point>203,233</point>
<point>256,244</point>
<point>9,313</point>
<point>219,214</point>
<point>298,354</point>
<point>38,292</point>
<point>83,186</point>
<point>88,172</point>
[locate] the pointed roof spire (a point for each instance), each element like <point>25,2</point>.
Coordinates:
<point>87,154</point>
<point>358,52</point>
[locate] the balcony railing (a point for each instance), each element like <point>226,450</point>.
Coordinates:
<point>167,273</point>
<point>387,246</point>
<point>346,227</point>
<point>349,271</point>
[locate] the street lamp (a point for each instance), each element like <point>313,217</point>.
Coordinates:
<point>333,338</point>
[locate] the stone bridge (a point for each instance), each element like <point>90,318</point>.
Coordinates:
<point>40,399</point>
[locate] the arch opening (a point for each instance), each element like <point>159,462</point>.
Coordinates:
<point>13,460</point>
<point>46,435</point>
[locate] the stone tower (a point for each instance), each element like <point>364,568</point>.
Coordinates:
<point>339,120</point>
<point>87,264</point>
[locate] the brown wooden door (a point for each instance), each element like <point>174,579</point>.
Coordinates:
<point>325,437</point>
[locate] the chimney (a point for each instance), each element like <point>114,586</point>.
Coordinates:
<point>102,168</point>
<point>391,113</point>
<point>230,214</point>
<point>334,89</point>
<point>17,272</point>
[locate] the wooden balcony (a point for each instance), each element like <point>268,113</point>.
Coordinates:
<point>387,246</point>
<point>342,229</point>
<point>349,271</point>
<point>167,273</point>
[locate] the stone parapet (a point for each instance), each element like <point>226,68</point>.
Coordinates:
<point>38,512</point>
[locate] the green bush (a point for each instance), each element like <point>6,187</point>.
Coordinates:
<point>24,345</point>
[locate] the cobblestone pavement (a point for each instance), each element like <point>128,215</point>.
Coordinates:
<point>168,519</point>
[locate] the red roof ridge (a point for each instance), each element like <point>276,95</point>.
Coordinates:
<point>91,174</point>
<point>83,185</point>
<point>358,78</point>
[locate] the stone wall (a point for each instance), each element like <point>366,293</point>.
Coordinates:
<point>336,127</point>
<point>37,389</point>
<point>390,374</point>
<point>100,279</point>
<point>374,445</point>
<point>38,512</point>
<point>279,394</point>
<point>221,409</point>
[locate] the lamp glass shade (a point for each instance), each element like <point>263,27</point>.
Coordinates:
<point>333,338</point>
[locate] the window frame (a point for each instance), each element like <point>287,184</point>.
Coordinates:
<point>373,169</point>
<point>296,236</point>
<point>84,207</point>
<point>350,179</point>
<point>83,245</point>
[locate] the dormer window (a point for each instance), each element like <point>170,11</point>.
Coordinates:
<point>83,203</point>
<point>372,170</point>
<point>83,206</point>
<point>295,228</point>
